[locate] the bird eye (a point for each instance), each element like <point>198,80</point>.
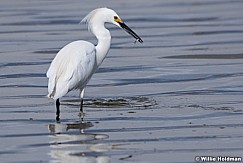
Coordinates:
<point>117,19</point>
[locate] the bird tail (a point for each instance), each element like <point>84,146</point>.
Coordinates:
<point>51,90</point>
<point>50,95</point>
<point>57,90</point>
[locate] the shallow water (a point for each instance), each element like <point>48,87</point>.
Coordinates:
<point>176,96</point>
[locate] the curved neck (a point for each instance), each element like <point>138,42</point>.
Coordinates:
<point>104,43</point>
<point>102,49</point>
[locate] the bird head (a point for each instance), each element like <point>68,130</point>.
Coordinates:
<point>110,16</point>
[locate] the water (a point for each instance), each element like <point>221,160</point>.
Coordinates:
<point>176,96</point>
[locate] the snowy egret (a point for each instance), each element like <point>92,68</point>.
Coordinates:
<point>76,62</point>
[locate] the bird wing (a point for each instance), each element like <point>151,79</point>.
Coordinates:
<point>71,68</point>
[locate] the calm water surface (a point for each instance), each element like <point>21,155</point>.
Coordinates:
<point>176,96</point>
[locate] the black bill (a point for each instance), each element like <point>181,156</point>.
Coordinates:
<point>131,32</point>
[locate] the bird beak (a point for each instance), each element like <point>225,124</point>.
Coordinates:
<point>131,32</point>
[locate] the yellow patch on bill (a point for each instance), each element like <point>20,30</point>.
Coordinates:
<point>118,20</point>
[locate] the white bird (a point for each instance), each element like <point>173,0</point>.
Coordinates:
<point>76,62</point>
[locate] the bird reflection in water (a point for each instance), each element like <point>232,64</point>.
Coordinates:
<point>70,143</point>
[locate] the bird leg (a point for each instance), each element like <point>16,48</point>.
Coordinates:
<point>81,105</point>
<point>57,110</point>
<point>82,100</point>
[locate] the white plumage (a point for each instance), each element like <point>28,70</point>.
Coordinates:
<point>75,63</point>
<point>72,71</point>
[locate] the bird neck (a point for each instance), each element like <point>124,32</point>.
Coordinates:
<point>104,43</point>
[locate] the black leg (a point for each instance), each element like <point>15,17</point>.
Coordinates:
<point>81,105</point>
<point>81,114</point>
<point>58,110</point>
<point>82,100</point>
